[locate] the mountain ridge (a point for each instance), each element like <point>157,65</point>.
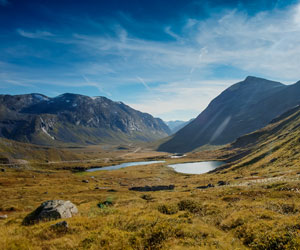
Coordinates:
<point>240,109</point>
<point>73,118</point>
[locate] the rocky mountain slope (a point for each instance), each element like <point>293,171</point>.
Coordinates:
<point>72,118</point>
<point>242,108</point>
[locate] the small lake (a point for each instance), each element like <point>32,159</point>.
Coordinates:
<point>196,167</point>
<point>124,165</point>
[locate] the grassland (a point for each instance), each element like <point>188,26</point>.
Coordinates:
<point>254,211</point>
<point>258,208</point>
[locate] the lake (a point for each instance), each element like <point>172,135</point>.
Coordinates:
<point>196,167</point>
<point>124,165</point>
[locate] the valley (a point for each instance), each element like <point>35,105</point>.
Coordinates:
<point>252,209</point>
<point>150,125</point>
<point>250,201</point>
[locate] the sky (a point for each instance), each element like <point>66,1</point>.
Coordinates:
<point>168,58</point>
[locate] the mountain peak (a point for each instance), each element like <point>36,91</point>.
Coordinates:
<point>253,78</point>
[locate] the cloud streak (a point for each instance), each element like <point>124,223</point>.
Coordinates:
<point>35,35</point>
<point>266,44</point>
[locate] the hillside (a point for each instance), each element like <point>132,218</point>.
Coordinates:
<point>242,108</point>
<point>77,119</point>
<point>276,145</point>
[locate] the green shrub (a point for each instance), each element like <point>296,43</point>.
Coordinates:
<point>189,205</point>
<point>167,209</point>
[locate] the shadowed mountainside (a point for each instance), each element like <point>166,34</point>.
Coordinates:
<point>240,109</point>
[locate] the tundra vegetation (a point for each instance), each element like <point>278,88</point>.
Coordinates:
<point>258,208</point>
<point>252,202</point>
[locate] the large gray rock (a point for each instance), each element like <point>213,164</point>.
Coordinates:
<point>51,210</point>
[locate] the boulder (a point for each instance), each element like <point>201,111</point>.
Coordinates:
<point>3,217</point>
<point>85,181</point>
<point>51,210</point>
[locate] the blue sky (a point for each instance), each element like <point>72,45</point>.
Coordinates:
<point>167,58</point>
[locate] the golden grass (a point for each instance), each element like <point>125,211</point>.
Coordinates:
<point>253,212</point>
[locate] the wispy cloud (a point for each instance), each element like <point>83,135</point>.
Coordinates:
<point>184,71</point>
<point>39,34</point>
<point>185,97</point>
<point>141,80</point>
<point>97,85</point>
<point>267,44</point>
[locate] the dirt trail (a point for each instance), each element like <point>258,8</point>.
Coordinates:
<point>135,151</point>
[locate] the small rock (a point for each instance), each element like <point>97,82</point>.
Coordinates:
<point>51,210</point>
<point>97,188</point>
<point>3,217</point>
<point>85,181</point>
<point>2,169</point>
<point>222,183</point>
<point>62,226</point>
<point>111,190</point>
<point>205,187</point>
<point>238,177</point>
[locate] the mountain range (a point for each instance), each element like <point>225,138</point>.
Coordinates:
<point>177,125</point>
<point>242,108</point>
<point>73,118</point>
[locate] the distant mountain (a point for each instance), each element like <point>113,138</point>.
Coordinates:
<point>177,125</point>
<point>242,108</point>
<point>71,118</point>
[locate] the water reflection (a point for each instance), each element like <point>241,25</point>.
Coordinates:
<point>124,165</point>
<point>196,167</point>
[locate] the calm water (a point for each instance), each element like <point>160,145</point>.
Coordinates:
<point>196,167</point>
<point>124,165</point>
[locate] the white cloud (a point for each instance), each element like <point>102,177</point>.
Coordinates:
<point>297,15</point>
<point>35,35</point>
<point>141,80</point>
<point>185,95</point>
<point>94,84</point>
<point>267,45</point>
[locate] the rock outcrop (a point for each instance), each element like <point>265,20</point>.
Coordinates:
<point>51,210</point>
